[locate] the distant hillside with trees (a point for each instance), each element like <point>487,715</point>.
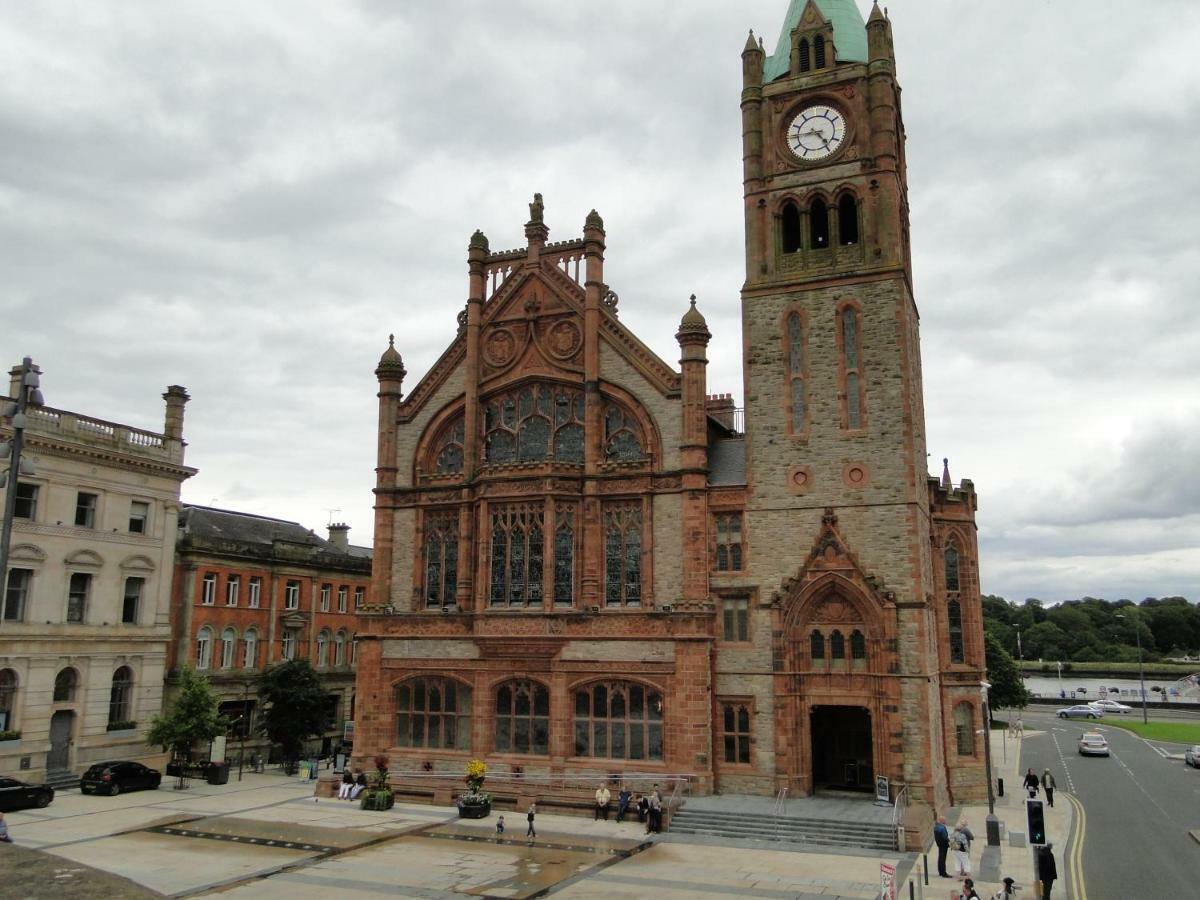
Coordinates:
<point>1090,630</point>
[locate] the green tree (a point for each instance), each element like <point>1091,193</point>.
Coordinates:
<point>294,707</point>
<point>192,717</point>
<point>1007,691</point>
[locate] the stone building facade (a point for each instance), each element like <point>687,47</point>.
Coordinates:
<point>250,591</point>
<point>587,562</point>
<point>84,625</point>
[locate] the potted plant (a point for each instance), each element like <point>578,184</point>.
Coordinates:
<point>378,795</point>
<point>475,803</point>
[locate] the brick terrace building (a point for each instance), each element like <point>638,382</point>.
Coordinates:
<point>584,562</point>
<point>250,591</point>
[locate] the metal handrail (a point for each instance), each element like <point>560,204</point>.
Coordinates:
<point>780,808</point>
<point>900,802</point>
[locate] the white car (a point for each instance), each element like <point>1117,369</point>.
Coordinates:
<point>1092,743</point>
<point>1111,706</point>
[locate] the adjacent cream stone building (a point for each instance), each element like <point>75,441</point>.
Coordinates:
<point>84,619</point>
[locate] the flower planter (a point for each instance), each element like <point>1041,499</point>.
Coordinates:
<point>377,800</point>
<point>475,810</point>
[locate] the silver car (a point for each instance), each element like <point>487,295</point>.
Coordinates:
<point>1191,756</point>
<point>1080,712</point>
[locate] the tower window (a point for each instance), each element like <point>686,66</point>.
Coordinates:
<point>818,225</point>
<point>819,52</point>
<point>816,646</point>
<point>951,557</point>
<point>954,626</point>
<point>847,220</point>
<point>805,64</point>
<point>837,646</point>
<point>851,371</point>
<point>795,372</point>
<point>790,228</point>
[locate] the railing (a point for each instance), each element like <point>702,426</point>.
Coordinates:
<point>680,783</point>
<point>780,808</point>
<point>901,802</point>
<point>47,420</point>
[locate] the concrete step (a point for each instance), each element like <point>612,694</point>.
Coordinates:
<point>62,779</point>
<point>792,829</point>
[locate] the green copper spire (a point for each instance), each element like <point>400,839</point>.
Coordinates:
<point>849,34</point>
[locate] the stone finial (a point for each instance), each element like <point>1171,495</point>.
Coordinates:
<point>751,44</point>
<point>536,210</point>
<point>693,326</point>
<point>946,482</point>
<point>593,220</point>
<point>876,13</point>
<point>479,241</point>
<point>391,366</point>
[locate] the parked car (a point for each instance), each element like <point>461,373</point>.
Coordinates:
<point>1080,712</point>
<point>120,775</point>
<point>1092,743</point>
<point>20,795</point>
<point>1191,756</point>
<point>1111,706</point>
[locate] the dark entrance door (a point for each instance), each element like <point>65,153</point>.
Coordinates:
<point>841,748</point>
<point>60,740</point>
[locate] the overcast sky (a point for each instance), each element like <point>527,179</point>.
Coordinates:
<point>246,198</point>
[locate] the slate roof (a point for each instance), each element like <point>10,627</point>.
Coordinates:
<point>201,526</point>
<point>727,461</point>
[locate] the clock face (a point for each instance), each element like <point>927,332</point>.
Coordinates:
<point>816,133</point>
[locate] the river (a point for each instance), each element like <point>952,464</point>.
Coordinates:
<point>1090,687</point>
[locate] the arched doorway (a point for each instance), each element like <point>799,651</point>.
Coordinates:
<point>842,751</point>
<point>62,726</point>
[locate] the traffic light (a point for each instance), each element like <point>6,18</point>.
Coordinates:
<point>1035,817</point>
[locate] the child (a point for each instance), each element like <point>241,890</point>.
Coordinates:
<point>500,826</point>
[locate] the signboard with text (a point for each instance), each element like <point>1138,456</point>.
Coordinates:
<point>887,881</point>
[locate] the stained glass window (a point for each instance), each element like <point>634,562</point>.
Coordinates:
<point>564,556</point>
<point>441,559</point>
<point>619,720</point>
<point>623,555</point>
<point>450,449</point>
<point>951,557</point>
<point>954,621</point>
<point>517,555</point>
<point>434,713</point>
<point>522,718</point>
<point>850,367</point>
<point>533,422</point>
<point>621,442</point>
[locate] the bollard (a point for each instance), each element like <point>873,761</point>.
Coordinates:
<point>925,856</point>
<point>1000,786</point>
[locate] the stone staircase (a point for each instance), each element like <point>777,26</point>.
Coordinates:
<point>62,779</point>
<point>785,829</point>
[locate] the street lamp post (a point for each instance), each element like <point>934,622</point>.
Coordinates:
<point>993,823</point>
<point>1020,652</point>
<point>27,394</point>
<point>1137,633</point>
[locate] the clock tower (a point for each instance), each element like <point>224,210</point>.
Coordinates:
<point>838,495</point>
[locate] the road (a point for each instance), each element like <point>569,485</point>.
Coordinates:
<point>1138,809</point>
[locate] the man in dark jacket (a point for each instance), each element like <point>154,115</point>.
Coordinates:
<point>1047,870</point>
<point>941,837</point>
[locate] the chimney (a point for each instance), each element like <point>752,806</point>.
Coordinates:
<point>339,535</point>
<point>721,408</point>
<point>176,397</point>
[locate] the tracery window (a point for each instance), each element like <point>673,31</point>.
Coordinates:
<point>851,370</point>
<point>65,683</point>
<point>564,555</point>
<point>120,697</point>
<point>523,718</point>
<point>951,558</point>
<point>795,373</point>
<point>621,442</point>
<point>847,219</point>
<point>433,713</point>
<point>450,449</point>
<point>964,728</point>
<point>534,423</point>
<point>619,720</point>
<point>816,646</point>
<point>623,554</point>
<point>441,559</point>
<point>954,622</point>
<point>517,555</point>
<point>729,541</point>
<point>735,732</point>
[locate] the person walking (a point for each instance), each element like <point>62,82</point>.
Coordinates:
<point>1048,786</point>
<point>1047,870</point>
<point>1031,783</point>
<point>602,798</point>
<point>623,799</point>
<point>531,832</point>
<point>5,837</point>
<point>941,837</point>
<point>654,816</point>
<point>960,843</point>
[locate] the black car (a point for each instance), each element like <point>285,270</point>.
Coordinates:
<point>19,795</point>
<point>114,777</point>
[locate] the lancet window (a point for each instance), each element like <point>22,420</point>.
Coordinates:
<point>954,626</point>
<point>623,554</point>
<point>441,558</point>
<point>517,555</point>
<point>951,560</point>
<point>564,555</point>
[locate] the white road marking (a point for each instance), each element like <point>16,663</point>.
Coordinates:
<point>1063,759</point>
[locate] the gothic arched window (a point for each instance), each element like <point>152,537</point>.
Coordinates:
<point>851,367</point>
<point>433,713</point>
<point>858,648</point>
<point>523,718</point>
<point>819,52</point>
<point>816,646</point>
<point>837,646</point>
<point>534,423</point>
<point>450,449</point>
<point>517,554</point>
<point>65,683</point>
<point>847,219</point>
<point>805,63</point>
<point>441,558</point>
<point>120,697</point>
<point>951,558</point>
<point>619,720</point>
<point>623,554</point>
<point>818,224</point>
<point>789,225</point>
<point>795,372</point>
<point>954,623</point>
<point>564,556</point>
<point>621,442</point>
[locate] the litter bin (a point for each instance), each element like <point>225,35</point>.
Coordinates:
<point>218,773</point>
